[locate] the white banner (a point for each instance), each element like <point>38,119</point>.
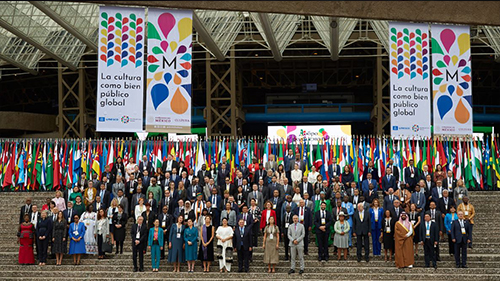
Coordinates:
<point>410,89</point>
<point>121,74</point>
<point>309,132</point>
<point>451,73</point>
<point>168,102</point>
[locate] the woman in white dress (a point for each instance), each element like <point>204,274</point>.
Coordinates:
<point>312,177</point>
<point>111,211</point>
<point>139,209</point>
<point>296,175</point>
<point>224,236</point>
<point>89,219</point>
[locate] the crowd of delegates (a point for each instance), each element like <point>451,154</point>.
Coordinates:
<point>208,215</point>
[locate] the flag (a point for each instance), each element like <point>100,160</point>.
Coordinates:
<point>200,160</point>
<point>49,180</point>
<point>111,156</point>
<point>318,162</point>
<point>22,167</point>
<point>96,166</point>
<point>56,165</point>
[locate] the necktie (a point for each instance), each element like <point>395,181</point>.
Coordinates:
<point>428,225</point>
<point>302,211</point>
<point>412,170</point>
<point>245,217</point>
<point>255,194</point>
<point>323,214</point>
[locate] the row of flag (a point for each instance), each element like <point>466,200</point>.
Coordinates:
<point>58,164</point>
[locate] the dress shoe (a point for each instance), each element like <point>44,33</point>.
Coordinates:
<point>359,260</point>
<point>135,269</point>
<point>464,266</point>
<point>435,266</point>
<point>457,266</point>
<point>240,270</point>
<point>367,260</point>
<point>301,271</point>
<point>246,270</point>
<point>291,271</point>
<point>141,270</point>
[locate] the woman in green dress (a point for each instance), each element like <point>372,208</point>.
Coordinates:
<point>76,192</point>
<point>79,206</point>
<point>191,240</point>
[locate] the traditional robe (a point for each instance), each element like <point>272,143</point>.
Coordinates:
<point>403,246</point>
<point>404,197</point>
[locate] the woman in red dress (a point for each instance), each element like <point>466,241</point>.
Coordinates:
<point>266,214</point>
<point>25,236</point>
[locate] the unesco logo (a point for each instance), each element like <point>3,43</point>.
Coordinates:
<point>125,119</point>
<point>415,128</point>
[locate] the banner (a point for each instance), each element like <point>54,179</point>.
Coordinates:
<point>120,69</point>
<point>451,73</point>
<point>410,89</point>
<point>168,104</point>
<point>312,133</point>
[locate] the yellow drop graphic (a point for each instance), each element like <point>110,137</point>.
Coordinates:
<point>281,133</point>
<point>118,32</point>
<point>158,75</point>
<point>132,33</point>
<point>462,113</point>
<point>454,59</point>
<point>463,42</point>
<point>179,104</point>
<point>173,45</point>
<point>442,88</point>
<point>434,94</point>
<point>185,28</point>
<point>104,41</point>
<point>346,129</point>
<point>149,81</point>
<point>177,80</point>
<point>104,32</point>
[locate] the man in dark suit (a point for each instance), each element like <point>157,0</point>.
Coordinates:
<point>222,174</point>
<point>388,181</point>
<point>139,234</point>
<point>361,229</point>
<point>285,188</point>
<point>268,191</point>
<point>286,221</point>
<point>289,164</point>
<point>192,192</point>
<point>244,170</point>
<point>394,169</point>
<point>371,194</point>
<point>366,183</point>
<point>135,200</point>
<point>461,235</point>
<point>438,219</point>
<point>216,206</point>
<point>411,175</point>
<point>429,186</point>
<point>444,203</point>
<point>105,195</point>
<point>202,173</point>
<point>429,234</point>
<point>170,164</point>
<point>69,213</point>
<point>396,210</point>
<point>169,201</point>
<point>425,172</point>
<point>437,192</point>
<point>334,169</point>
<point>322,222</point>
<point>97,204</point>
<point>305,218</point>
<point>450,183</point>
<point>246,216</point>
<point>370,169</point>
<point>26,209</point>
<point>242,244</point>
<point>166,221</point>
<point>418,198</point>
<point>130,190</point>
<point>260,174</point>
<point>389,199</point>
<point>145,165</point>
<point>305,186</point>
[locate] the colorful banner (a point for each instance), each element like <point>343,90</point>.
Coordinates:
<point>313,133</point>
<point>410,89</point>
<point>168,105</point>
<point>120,69</point>
<point>451,74</point>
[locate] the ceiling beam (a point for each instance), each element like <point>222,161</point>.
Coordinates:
<point>64,24</point>
<point>334,39</point>
<point>269,35</point>
<point>18,64</point>
<point>207,38</point>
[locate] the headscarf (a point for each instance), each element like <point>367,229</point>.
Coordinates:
<point>406,222</point>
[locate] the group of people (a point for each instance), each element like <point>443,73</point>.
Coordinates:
<point>177,212</point>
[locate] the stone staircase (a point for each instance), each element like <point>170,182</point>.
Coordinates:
<point>483,259</point>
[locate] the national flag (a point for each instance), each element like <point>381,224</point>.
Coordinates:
<point>318,162</point>
<point>57,167</point>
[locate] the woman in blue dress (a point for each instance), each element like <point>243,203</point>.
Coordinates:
<point>176,243</point>
<point>376,215</point>
<point>77,242</point>
<point>191,240</point>
<point>155,244</point>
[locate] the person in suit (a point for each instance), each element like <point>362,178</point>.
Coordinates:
<point>429,233</point>
<point>119,222</point>
<point>69,213</point>
<point>25,209</point>
<point>227,185</point>
<point>305,186</point>
<point>122,200</point>
<point>170,164</point>
<point>370,169</point>
<point>361,229</point>
<point>323,222</point>
<point>149,216</point>
<point>242,243</point>
<point>296,235</point>
<point>135,200</point>
<point>260,174</point>
<point>169,201</point>
<point>286,221</point>
<point>371,194</point>
<point>461,235</point>
<point>257,195</point>
<point>43,236</point>
<point>334,169</point>
<point>444,203</point>
<point>222,176</point>
<point>376,214</point>
<point>288,202</point>
<point>305,218</point>
<point>277,204</point>
<point>216,206</point>
<point>166,220</point>
<point>366,183</point>
<point>139,234</point>
<point>145,165</point>
<point>271,164</point>
<point>438,219</point>
<point>308,202</point>
<point>437,192</point>
<point>105,196</point>
<point>450,183</point>
<point>394,169</point>
<point>397,209</point>
<point>425,172</point>
<point>268,192</point>
<point>246,216</point>
<point>97,205</point>
<point>429,186</point>
<point>418,198</point>
<point>389,200</point>
<point>411,175</point>
<point>289,164</point>
<point>388,181</point>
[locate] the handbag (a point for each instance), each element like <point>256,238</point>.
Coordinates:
<point>107,246</point>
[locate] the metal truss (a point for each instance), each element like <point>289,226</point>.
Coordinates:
<point>334,35</point>
<point>71,118</point>
<point>15,51</point>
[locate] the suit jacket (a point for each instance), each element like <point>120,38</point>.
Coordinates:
<point>328,221</point>
<point>130,188</point>
<point>331,169</point>
<point>395,215</point>
<point>66,214</point>
<point>283,221</point>
<point>245,172</point>
<point>453,183</point>
<point>442,206</point>
<point>171,205</point>
<point>260,199</point>
<point>271,166</point>
<point>307,216</point>
<point>439,220</point>
<point>434,232</point>
<point>361,227</point>
<point>456,232</point>
<point>306,187</point>
<point>193,189</point>
<point>181,170</point>
<point>23,212</point>
<point>135,200</point>
<point>395,171</point>
<point>388,183</point>
<point>232,189</point>
<point>422,175</point>
<point>374,173</point>
<point>283,207</point>
<point>260,173</point>
<point>146,167</point>
<point>412,181</point>
<point>335,214</point>
<point>268,191</point>
<point>285,190</point>
<point>242,241</point>
<point>418,198</point>
<point>369,198</point>
<point>124,203</point>
<point>143,236</point>
<point>389,204</point>
<point>435,194</point>
<point>149,220</point>
<point>175,164</point>
<point>102,206</point>
<point>296,232</point>
<point>106,199</point>
<point>221,177</point>
<point>249,221</point>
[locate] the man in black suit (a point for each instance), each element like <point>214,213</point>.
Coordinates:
<point>438,219</point>
<point>445,202</point>
<point>105,196</point>
<point>242,243</point>
<point>26,209</point>
<point>222,174</point>
<point>166,221</point>
<point>145,165</point>
<point>289,164</point>
<point>139,234</point>
<point>305,186</point>
<point>322,222</point>
<point>268,191</point>
<point>361,226</point>
<point>285,188</point>
<point>411,176</point>
<point>227,185</point>
<point>396,210</point>
<point>429,234</point>
<point>170,164</point>
<point>394,169</point>
<point>260,174</point>
<point>246,216</point>
<point>371,194</point>
<point>334,169</point>
<point>388,181</point>
<point>370,169</point>
<point>305,218</point>
<point>461,235</point>
<point>425,172</point>
<point>202,173</point>
<point>169,201</point>
<point>389,199</point>
<point>286,221</point>
<point>244,170</point>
